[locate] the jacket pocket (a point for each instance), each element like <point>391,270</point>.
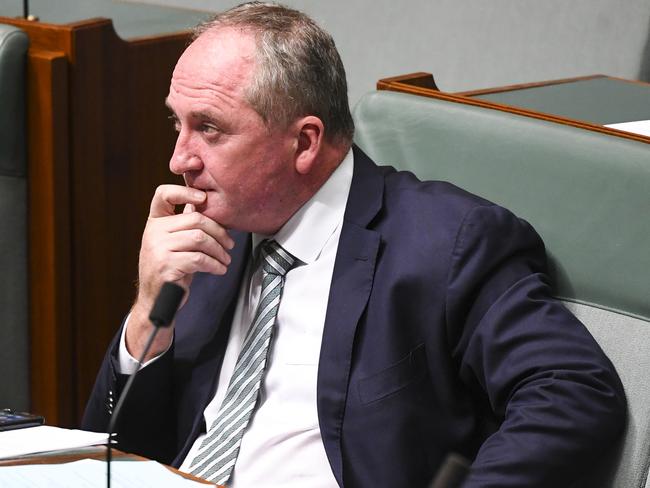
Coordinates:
<point>396,377</point>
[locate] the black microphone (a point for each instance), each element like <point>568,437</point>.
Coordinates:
<point>452,473</point>
<point>166,304</point>
<point>161,315</point>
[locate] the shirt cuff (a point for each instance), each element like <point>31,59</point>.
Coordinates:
<point>127,364</point>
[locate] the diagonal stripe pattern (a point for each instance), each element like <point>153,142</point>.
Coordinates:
<point>217,454</point>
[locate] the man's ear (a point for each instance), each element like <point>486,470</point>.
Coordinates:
<point>310,134</point>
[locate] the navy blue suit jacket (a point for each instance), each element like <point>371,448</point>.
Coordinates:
<point>441,335</point>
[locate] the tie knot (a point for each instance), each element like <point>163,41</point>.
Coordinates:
<point>277,261</point>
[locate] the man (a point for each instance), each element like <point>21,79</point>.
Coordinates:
<point>401,320</point>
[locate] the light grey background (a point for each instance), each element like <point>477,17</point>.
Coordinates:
<point>466,44</point>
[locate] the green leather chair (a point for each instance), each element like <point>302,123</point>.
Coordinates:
<point>586,193</point>
<point>14,353</point>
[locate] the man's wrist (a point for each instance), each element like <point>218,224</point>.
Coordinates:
<point>138,330</point>
<point>127,363</point>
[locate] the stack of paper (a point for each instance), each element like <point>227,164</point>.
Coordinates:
<point>638,127</point>
<point>45,438</point>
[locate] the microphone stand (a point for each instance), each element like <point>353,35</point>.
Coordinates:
<point>162,315</point>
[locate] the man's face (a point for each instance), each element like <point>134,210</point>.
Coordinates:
<point>224,147</point>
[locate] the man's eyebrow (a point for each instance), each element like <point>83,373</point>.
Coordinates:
<point>196,114</point>
<point>205,114</point>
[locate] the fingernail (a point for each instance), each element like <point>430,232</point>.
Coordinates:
<point>198,194</point>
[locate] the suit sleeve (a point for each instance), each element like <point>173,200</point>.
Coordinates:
<point>146,425</point>
<point>556,398</point>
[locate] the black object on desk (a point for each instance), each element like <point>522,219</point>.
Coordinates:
<point>10,420</point>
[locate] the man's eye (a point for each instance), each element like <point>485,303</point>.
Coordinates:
<point>175,123</point>
<point>209,129</point>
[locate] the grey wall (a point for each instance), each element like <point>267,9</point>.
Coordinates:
<point>466,44</point>
<point>471,44</point>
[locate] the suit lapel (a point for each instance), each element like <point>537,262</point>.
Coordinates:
<point>352,279</point>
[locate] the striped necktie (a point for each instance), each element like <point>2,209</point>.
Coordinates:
<point>217,454</point>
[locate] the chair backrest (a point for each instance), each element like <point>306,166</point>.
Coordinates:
<point>14,351</point>
<point>586,193</point>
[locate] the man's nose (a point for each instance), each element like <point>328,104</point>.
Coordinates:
<point>185,157</point>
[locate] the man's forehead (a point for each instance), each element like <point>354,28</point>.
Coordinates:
<point>227,49</point>
<point>214,70</point>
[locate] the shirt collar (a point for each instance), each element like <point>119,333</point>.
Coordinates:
<point>305,234</point>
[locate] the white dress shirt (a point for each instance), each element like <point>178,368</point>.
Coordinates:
<point>282,445</point>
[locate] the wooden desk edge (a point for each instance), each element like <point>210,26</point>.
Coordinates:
<point>404,86</point>
<point>524,86</point>
<point>91,452</point>
<point>537,84</point>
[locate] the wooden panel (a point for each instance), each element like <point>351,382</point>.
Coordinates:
<point>421,79</point>
<point>49,223</point>
<point>119,111</point>
<point>98,142</point>
<point>53,37</point>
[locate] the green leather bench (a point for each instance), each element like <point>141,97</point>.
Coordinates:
<point>586,193</point>
<point>14,353</point>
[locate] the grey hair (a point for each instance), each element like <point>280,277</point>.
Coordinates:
<point>298,68</point>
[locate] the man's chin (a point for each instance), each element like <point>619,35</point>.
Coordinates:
<point>223,219</point>
<point>226,218</point>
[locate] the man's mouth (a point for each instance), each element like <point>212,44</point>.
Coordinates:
<point>205,189</point>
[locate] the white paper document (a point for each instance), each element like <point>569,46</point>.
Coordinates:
<point>641,127</point>
<point>45,438</point>
<point>90,473</point>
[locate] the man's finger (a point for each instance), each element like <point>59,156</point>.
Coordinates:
<point>196,220</point>
<point>198,240</point>
<point>188,263</point>
<point>168,196</point>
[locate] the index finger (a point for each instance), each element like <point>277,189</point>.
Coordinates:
<point>168,196</point>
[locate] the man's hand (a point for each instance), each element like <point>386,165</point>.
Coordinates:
<point>174,247</point>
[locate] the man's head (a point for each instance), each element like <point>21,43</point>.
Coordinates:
<point>259,100</point>
<point>298,68</point>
